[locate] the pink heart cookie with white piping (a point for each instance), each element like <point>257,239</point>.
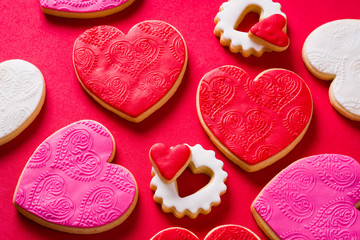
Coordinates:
<point>254,122</point>
<point>134,74</point>
<point>84,8</point>
<point>314,198</point>
<point>68,184</point>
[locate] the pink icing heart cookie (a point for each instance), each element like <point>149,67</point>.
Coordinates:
<point>22,95</point>
<point>166,193</point>
<point>169,163</point>
<point>83,8</point>
<point>314,198</point>
<point>254,122</point>
<point>134,74</point>
<point>271,32</point>
<point>68,184</point>
<point>224,232</point>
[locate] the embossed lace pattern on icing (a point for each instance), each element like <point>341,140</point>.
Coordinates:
<point>81,6</point>
<point>314,198</point>
<point>68,181</point>
<point>334,48</point>
<point>130,72</point>
<point>254,119</point>
<point>21,87</point>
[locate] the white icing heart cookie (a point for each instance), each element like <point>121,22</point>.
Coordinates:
<point>22,94</point>
<point>332,52</point>
<point>232,13</point>
<point>202,161</point>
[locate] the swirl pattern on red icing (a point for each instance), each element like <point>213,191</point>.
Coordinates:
<point>130,72</point>
<point>227,232</point>
<point>254,119</point>
<point>68,181</point>
<point>319,190</point>
<point>175,233</point>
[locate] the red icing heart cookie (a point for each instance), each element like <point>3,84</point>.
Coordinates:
<point>68,184</point>
<point>254,122</point>
<point>314,198</point>
<point>271,32</point>
<point>134,74</point>
<point>170,162</point>
<point>224,232</point>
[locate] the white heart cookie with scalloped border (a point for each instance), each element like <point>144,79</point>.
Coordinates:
<point>22,94</point>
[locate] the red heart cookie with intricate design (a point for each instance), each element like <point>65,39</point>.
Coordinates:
<point>224,232</point>
<point>169,163</point>
<point>271,32</point>
<point>254,122</point>
<point>68,184</point>
<point>314,198</point>
<point>134,74</point>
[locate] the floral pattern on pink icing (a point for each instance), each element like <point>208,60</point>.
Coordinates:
<point>131,72</point>
<point>314,198</point>
<point>81,6</point>
<point>68,181</point>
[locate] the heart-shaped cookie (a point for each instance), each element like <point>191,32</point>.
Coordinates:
<point>169,163</point>
<point>224,232</point>
<point>134,74</point>
<point>202,161</point>
<point>232,13</point>
<point>254,122</point>
<point>331,52</point>
<point>271,32</point>
<point>22,94</point>
<point>68,184</point>
<point>314,198</point>
<point>83,8</point>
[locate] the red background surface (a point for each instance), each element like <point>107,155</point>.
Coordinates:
<point>46,41</point>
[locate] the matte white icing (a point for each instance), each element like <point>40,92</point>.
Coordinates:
<point>334,48</point>
<point>21,89</point>
<point>205,197</point>
<point>228,18</point>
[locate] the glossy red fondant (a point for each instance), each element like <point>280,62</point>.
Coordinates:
<point>270,29</point>
<point>169,160</point>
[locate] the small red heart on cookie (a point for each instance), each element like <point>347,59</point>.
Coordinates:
<point>134,74</point>
<point>314,198</point>
<point>271,32</point>
<point>254,122</point>
<point>69,185</point>
<point>224,232</point>
<point>170,162</point>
